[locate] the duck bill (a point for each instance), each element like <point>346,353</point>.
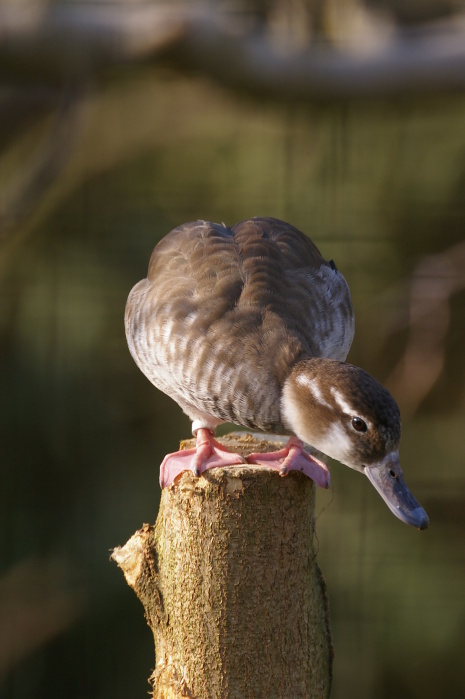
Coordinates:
<point>388,479</point>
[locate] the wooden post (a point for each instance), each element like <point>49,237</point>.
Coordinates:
<point>230,585</point>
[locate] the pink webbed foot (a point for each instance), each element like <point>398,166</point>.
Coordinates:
<point>293,457</point>
<point>207,453</point>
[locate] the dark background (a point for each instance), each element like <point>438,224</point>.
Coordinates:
<point>380,187</point>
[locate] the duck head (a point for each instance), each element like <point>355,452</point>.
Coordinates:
<point>344,412</point>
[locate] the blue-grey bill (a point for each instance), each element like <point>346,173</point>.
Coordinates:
<point>389,481</point>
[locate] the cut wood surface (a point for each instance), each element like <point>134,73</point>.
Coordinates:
<point>230,585</point>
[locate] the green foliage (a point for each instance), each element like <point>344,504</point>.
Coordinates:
<point>377,187</point>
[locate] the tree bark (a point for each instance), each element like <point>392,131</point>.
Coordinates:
<point>230,585</point>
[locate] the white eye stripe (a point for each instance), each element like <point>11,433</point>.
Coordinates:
<point>342,403</point>
<point>346,408</point>
<point>314,388</point>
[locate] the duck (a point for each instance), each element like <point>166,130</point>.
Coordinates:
<point>250,325</point>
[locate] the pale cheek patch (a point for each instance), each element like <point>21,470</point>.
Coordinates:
<point>292,414</point>
<point>336,443</point>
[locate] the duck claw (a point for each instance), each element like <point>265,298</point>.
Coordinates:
<point>207,454</point>
<point>293,457</point>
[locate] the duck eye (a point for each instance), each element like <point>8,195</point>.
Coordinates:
<point>392,473</point>
<point>359,425</point>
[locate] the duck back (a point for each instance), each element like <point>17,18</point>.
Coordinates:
<point>225,313</point>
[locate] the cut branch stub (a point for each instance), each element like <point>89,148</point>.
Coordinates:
<point>231,588</point>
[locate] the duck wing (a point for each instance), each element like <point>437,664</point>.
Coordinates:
<point>225,312</point>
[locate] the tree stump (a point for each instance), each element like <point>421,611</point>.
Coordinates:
<point>230,585</point>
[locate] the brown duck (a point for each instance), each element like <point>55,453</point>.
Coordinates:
<point>250,325</point>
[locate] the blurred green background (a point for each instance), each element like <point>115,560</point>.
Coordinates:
<point>380,187</point>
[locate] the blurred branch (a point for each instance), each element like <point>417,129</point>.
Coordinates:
<point>47,50</point>
<point>61,42</point>
<point>20,108</point>
<point>43,167</point>
<point>434,281</point>
<point>65,42</point>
